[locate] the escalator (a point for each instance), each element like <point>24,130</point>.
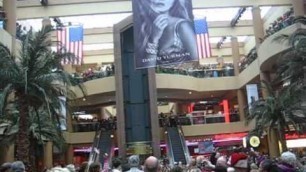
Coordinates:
<point>176,146</point>
<point>106,148</point>
<point>102,148</point>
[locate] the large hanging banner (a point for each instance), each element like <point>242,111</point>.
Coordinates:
<point>163,32</point>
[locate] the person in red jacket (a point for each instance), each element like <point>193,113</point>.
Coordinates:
<point>238,160</point>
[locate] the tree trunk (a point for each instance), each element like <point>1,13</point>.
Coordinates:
<point>23,142</point>
<point>282,139</point>
<point>32,156</point>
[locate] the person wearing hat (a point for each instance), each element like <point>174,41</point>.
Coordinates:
<point>17,166</point>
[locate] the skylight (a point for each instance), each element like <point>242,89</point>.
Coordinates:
<point>108,20</point>
<point>93,47</point>
<point>228,39</point>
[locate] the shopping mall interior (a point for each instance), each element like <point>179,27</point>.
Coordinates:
<point>177,110</point>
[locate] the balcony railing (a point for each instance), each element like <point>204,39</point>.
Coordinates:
<point>198,73</point>
<point>92,76</point>
<point>92,126</point>
<point>185,120</point>
<point>199,120</point>
<point>280,23</point>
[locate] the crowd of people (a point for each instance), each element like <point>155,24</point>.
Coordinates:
<point>248,59</point>
<point>200,71</point>
<point>87,125</point>
<point>280,23</point>
<point>236,160</point>
<point>95,73</point>
<point>172,120</point>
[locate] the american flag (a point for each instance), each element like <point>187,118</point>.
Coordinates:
<point>201,29</point>
<point>71,39</point>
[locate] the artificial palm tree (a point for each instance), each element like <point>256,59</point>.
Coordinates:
<point>283,108</point>
<point>276,112</point>
<point>42,128</point>
<point>33,78</point>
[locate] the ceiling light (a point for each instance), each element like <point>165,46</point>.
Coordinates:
<point>84,99</point>
<point>190,92</point>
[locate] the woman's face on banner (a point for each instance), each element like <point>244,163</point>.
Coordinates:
<point>161,6</point>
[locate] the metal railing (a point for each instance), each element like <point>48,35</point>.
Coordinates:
<point>201,119</point>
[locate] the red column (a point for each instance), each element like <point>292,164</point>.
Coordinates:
<point>226,111</point>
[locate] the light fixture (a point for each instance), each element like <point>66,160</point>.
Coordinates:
<point>237,16</point>
<point>190,92</point>
<point>220,43</point>
<point>58,22</point>
<point>84,99</point>
<point>112,136</point>
<point>44,2</point>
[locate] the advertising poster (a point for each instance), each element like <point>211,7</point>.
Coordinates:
<point>62,114</point>
<point>206,147</point>
<point>163,32</point>
<point>252,93</point>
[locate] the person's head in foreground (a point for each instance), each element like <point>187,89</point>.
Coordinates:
<point>151,164</point>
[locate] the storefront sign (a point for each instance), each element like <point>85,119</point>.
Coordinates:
<point>230,136</point>
<point>206,147</point>
<point>294,136</point>
<point>139,149</point>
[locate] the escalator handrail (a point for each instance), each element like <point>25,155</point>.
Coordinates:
<point>169,148</point>
<point>96,141</point>
<point>183,142</point>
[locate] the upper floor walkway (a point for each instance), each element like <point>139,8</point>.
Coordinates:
<point>197,81</point>
<point>193,81</point>
<point>268,54</point>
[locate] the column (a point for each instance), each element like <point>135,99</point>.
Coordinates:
<point>258,25</point>
<point>155,130</point>
<point>174,108</point>
<point>103,114</point>
<point>69,122</point>
<point>9,7</point>
<point>242,102</point>
<point>10,13</point>
<point>46,22</point>
<point>69,68</point>
<point>298,7</point>
<point>236,54</point>
<point>69,154</point>
<point>48,154</point>
<point>119,92</point>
